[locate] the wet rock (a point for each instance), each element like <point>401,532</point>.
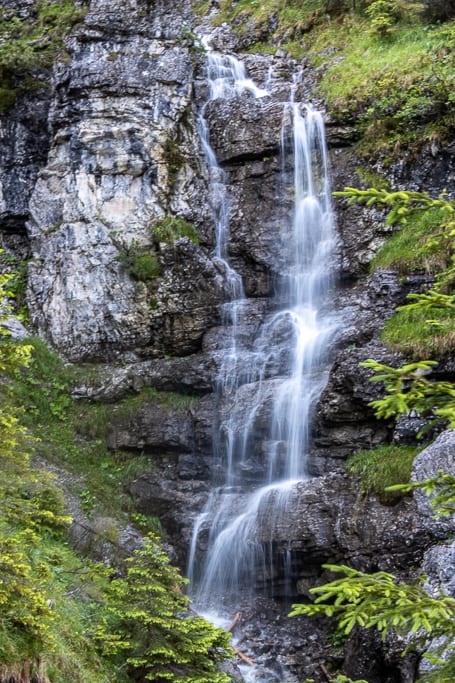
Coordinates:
<point>363,308</point>
<point>325,520</point>
<point>171,492</point>
<point>246,137</point>
<point>368,657</point>
<point>344,421</point>
<point>439,567</point>
<point>191,374</point>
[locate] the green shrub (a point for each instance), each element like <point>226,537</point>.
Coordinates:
<point>170,228</point>
<point>139,261</point>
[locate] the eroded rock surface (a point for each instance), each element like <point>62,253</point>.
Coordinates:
<point>123,147</point>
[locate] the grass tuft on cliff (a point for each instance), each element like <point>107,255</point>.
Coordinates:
<point>381,467</point>
<point>418,335</point>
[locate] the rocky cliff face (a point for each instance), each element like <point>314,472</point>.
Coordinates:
<point>124,153</point>
<point>90,171</point>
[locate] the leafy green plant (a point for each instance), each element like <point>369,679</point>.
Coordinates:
<point>147,523</point>
<point>32,522</point>
<point>44,388</point>
<point>17,285</point>
<point>171,228</point>
<point>401,205</point>
<point>88,502</point>
<point>140,262</point>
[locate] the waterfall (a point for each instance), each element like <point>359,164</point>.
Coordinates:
<point>267,387</point>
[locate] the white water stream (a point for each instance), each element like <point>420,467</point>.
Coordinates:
<point>229,549</point>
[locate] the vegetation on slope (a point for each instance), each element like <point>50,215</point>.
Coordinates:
<point>426,322</point>
<point>384,66</point>
<point>30,40</point>
<point>424,242</point>
<point>381,467</point>
<point>73,434</point>
<point>379,600</point>
<point>64,619</point>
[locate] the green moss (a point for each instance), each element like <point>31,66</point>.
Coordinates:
<point>174,159</point>
<point>201,7</point>
<point>140,262</point>
<point>164,399</point>
<point>381,467</point>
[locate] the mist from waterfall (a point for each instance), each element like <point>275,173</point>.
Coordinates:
<point>281,372</point>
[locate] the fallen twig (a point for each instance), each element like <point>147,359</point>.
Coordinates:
<point>234,623</point>
<point>326,672</point>
<point>243,657</point>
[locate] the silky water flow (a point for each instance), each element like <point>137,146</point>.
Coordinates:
<point>278,375</point>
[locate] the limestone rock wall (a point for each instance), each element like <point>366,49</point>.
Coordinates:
<point>124,153</point>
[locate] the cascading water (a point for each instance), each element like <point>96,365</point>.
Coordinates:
<point>280,373</point>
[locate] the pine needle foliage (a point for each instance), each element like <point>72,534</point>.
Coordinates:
<point>440,489</point>
<point>148,623</point>
<point>380,601</point>
<point>407,389</point>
